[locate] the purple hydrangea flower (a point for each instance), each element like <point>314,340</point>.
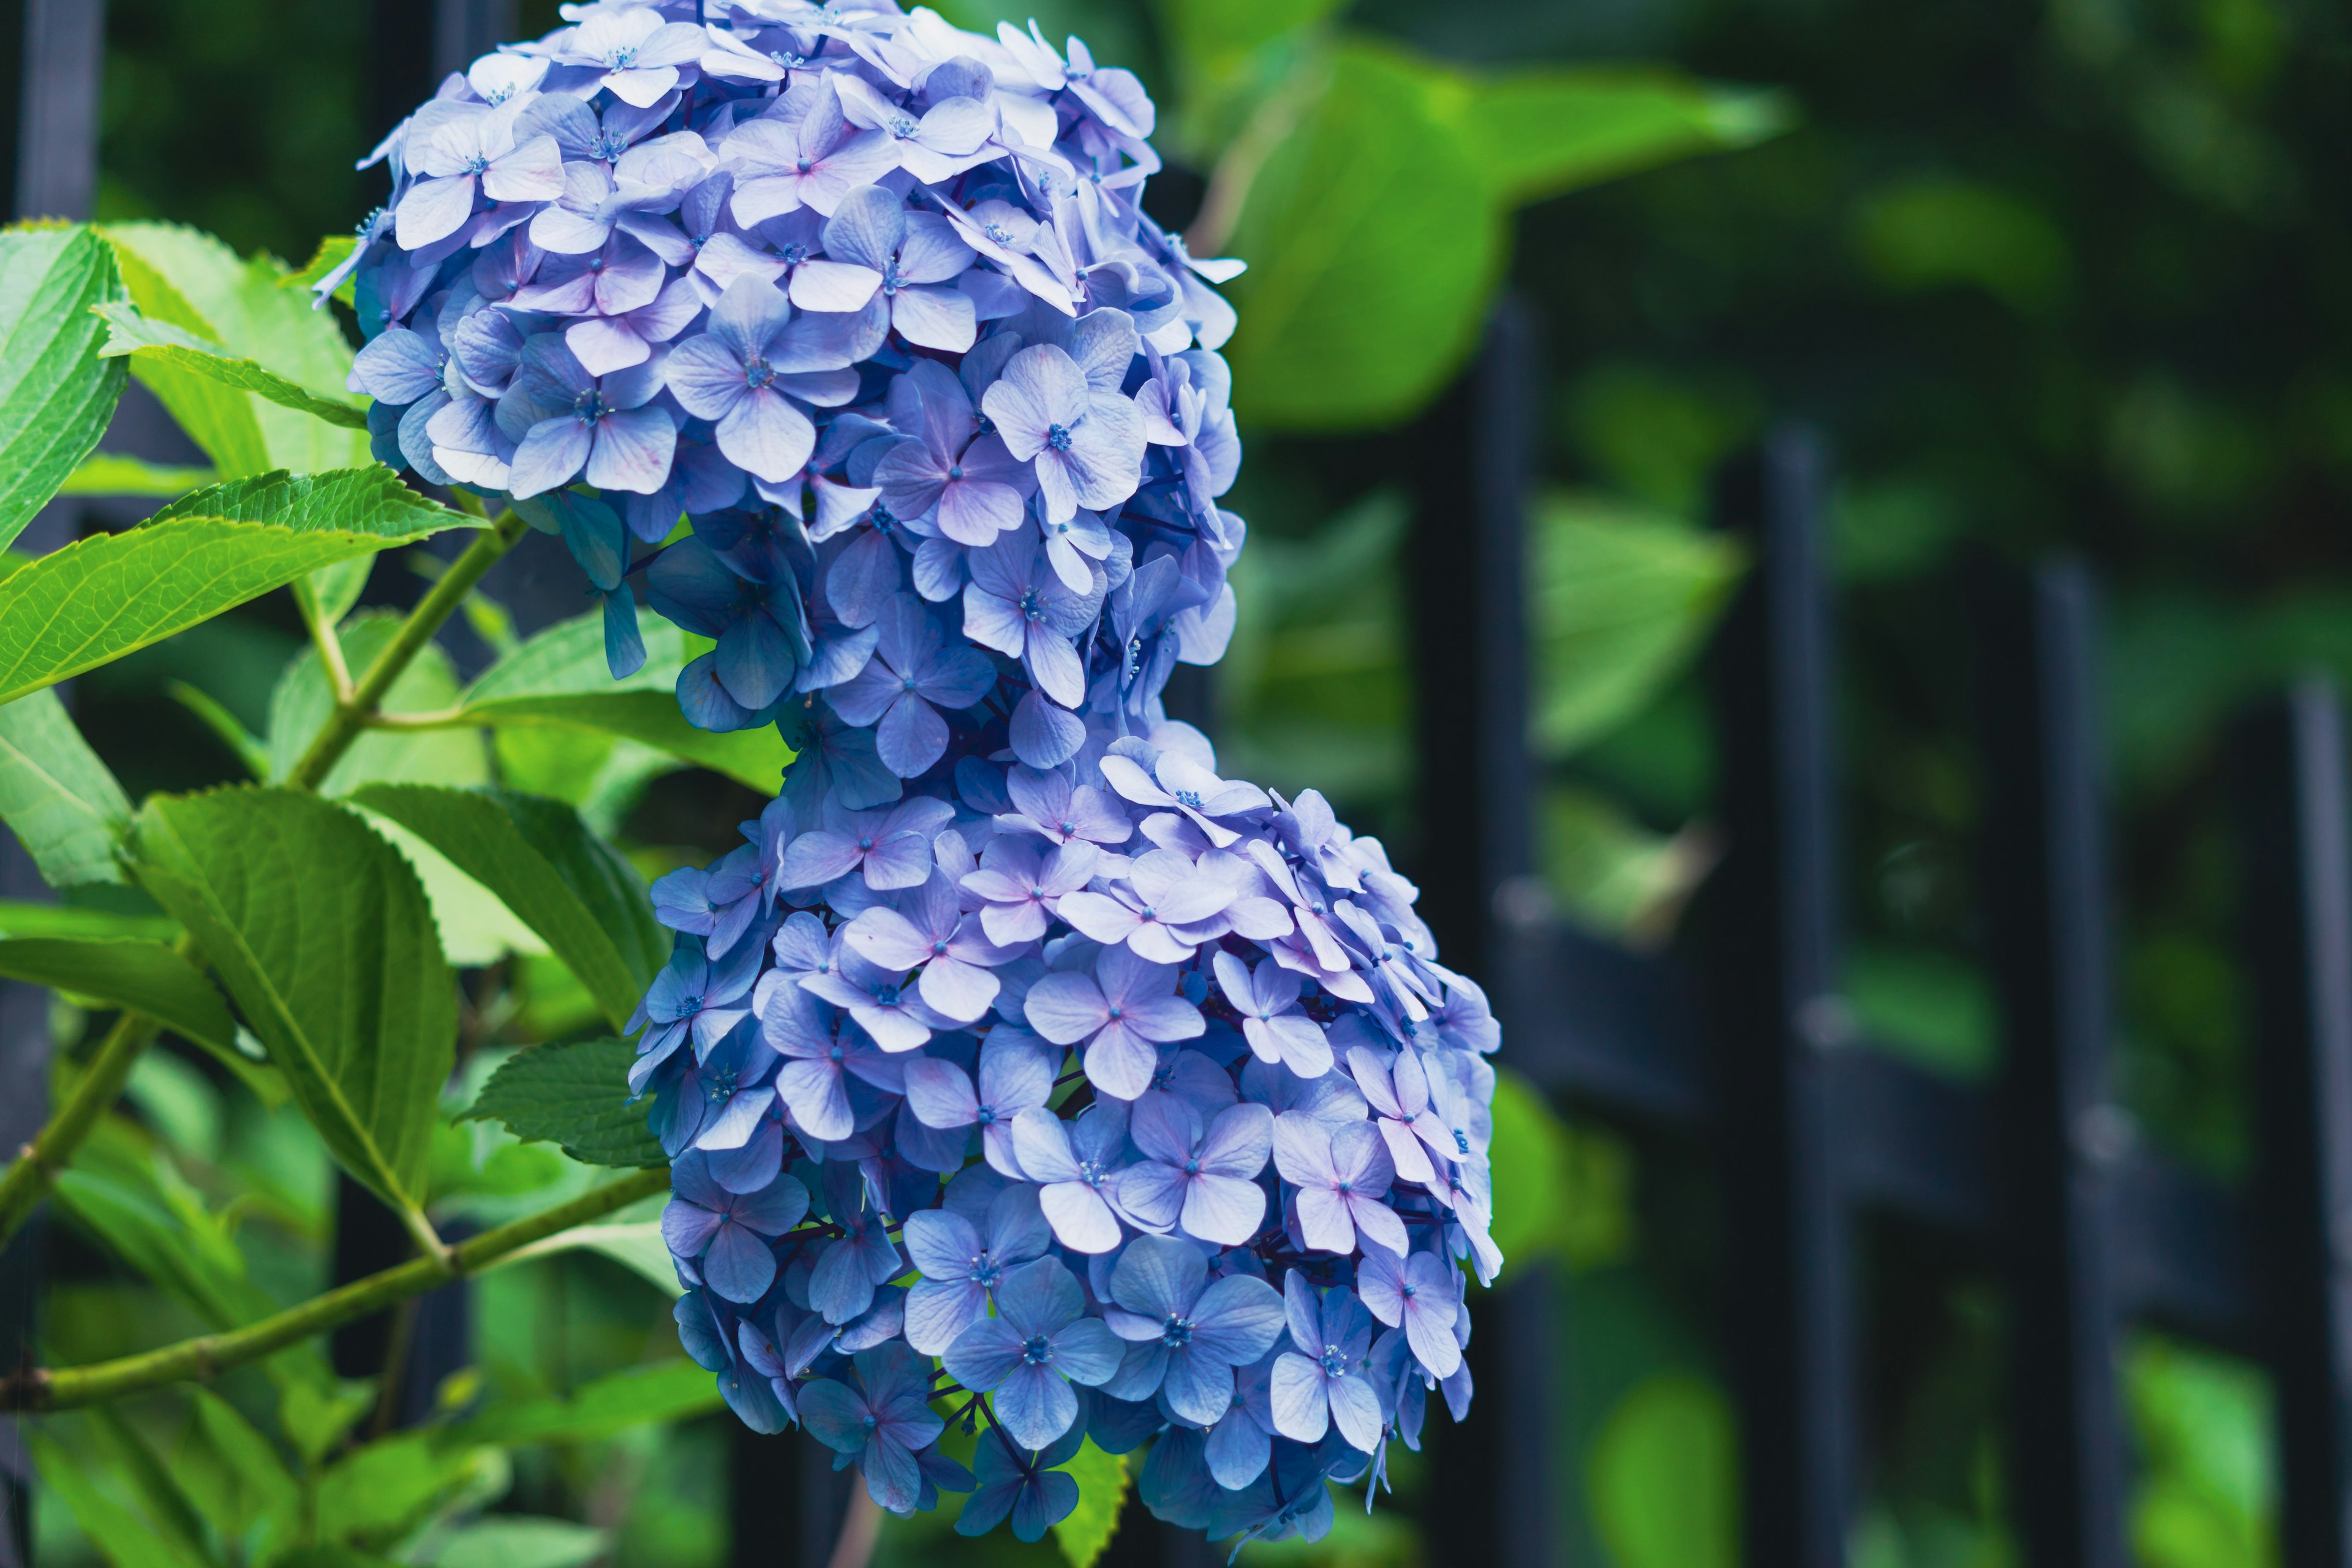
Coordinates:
<point>869,308</point>
<point>1118,1016</point>
<point>881,1424</point>
<point>1320,1383</point>
<point>962,1264</point>
<point>728,1233</point>
<point>1028,1355</point>
<point>1343,1176</point>
<point>1186,1333</point>
<point>1201,1180</point>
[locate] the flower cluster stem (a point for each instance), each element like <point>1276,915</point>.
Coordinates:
<point>207,1356</point>
<point>353,715</point>
<point>33,1172</point>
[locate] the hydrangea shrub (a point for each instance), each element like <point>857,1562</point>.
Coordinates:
<point>1018,1070</point>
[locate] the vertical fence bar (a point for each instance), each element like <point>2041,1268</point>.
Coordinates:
<point>1492,1492</point>
<point>1771,933</point>
<point>2043,871</point>
<point>52,170</point>
<point>2296,919</point>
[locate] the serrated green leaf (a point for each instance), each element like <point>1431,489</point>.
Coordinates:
<point>586,902</point>
<point>56,396</point>
<point>332,252</point>
<point>122,1537</point>
<point>302,700</point>
<point>96,600</point>
<point>144,976</point>
<point>112,474</point>
<point>369,500</point>
<point>321,932</point>
<point>1542,132</point>
<point>575,1096</point>
<point>61,802</point>
<point>1102,1491</point>
<point>161,343</point>
<point>559,679</point>
<point>192,281</point>
<point>643,1395</point>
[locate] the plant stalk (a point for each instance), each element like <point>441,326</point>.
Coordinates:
<point>351,716</point>
<point>34,1170</point>
<point>206,1356</point>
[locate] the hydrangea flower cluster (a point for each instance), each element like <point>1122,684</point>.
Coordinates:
<point>1018,1069</point>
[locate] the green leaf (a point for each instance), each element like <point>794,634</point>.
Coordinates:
<point>1373,236</point>
<point>112,474</point>
<point>370,500</point>
<point>159,1495</point>
<point>635,1245</point>
<point>583,900</point>
<point>61,802</point>
<point>375,1494</point>
<point>575,1096</point>
<point>603,775</point>
<point>144,976</point>
<point>332,252</point>
<point>169,1238</point>
<point>314,1417</point>
<point>302,702</point>
<point>20,918</point>
<point>160,342</point>
<point>1102,1491</point>
<point>1214,34</point>
<point>643,1395</point>
<point>192,281</point>
<point>1663,1477</point>
<point>122,1537</point>
<point>321,932</point>
<point>233,1475</point>
<point>521,1541</point>
<point>107,595</point>
<point>57,396</point>
<point>1542,132</point>
<point>1621,602</point>
<point>559,680</point>
<point>1559,1191</point>
<point>477,930</point>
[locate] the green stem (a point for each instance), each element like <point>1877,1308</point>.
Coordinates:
<point>34,1170</point>
<point>350,716</point>
<point>208,1355</point>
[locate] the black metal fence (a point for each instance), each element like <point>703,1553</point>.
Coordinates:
<point>1741,1037</point>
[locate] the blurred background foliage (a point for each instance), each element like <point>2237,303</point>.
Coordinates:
<point>2051,273</point>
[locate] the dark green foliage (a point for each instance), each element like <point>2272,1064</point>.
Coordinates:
<point>573,1096</point>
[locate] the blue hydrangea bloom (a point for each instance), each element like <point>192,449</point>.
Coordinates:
<point>1017,1058</point>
